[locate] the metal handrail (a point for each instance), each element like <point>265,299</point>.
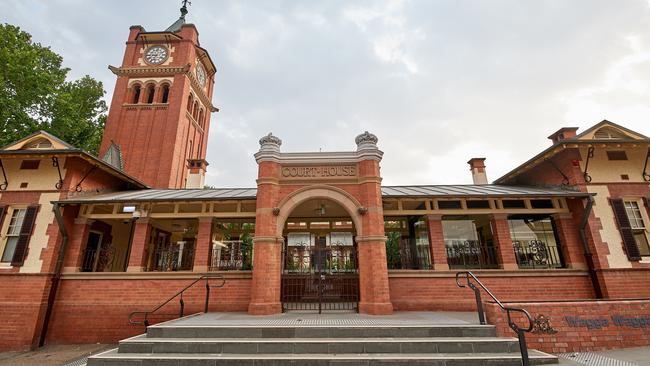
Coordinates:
<point>207,279</point>
<point>521,332</point>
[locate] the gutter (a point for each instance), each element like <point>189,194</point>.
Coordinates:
<point>57,272</point>
<point>587,252</point>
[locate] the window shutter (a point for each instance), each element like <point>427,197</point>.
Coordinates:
<point>646,202</point>
<point>631,249</point>
<point>3,212</point>
<point>25,234</point>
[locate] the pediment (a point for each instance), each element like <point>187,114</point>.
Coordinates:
<point>40,141</point>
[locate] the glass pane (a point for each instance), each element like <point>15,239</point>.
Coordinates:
<point>534,243</point>
<point>469,242</point>
<point>10,248</point>
<point>642,242</point>
<point>16,221</point>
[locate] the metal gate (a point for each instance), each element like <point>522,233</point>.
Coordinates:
<point>320,278</point>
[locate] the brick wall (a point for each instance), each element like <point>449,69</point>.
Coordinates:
<point>625,283</point>
<point>410,291</point>
<point>22,305</point>
<point>582,325</point>
<point>96,310</point>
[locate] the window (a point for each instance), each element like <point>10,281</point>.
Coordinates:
<point>29,164</point>
<point>165,94</point>
<point>534,241</point>
<point>189,103</point>
<point>638,226</point>
<point>13,233</point>
<point>39,144</point>
<point>151,91</point>
<point>136,94</point>
<point>616,155</point>
<point>469,242</point>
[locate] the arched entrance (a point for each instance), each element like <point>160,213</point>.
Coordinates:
<point>320,262</point>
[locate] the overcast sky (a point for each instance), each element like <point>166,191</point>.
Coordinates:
<point>438,82</point>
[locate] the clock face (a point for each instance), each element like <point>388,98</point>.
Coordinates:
<point>200,74</point>
<point>156,55</point>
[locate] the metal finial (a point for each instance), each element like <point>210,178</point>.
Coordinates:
<point>184,8</point>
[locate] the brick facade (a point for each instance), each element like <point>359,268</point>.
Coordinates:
<point>581,326</point>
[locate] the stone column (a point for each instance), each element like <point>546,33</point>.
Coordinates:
<point>267,244</point>
<point>202,251</point>
<point>77,245</point>
<point>569,241</point>
<point>139,241</point>
<point>501,234</point>
<point>437,243</point>
<point>374,289</point>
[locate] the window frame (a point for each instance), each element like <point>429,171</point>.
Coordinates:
<point>638,216</point>
<point>4,233</point>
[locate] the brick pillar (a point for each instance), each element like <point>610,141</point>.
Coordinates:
<point>501,234</point>
<point>139,242</point>
<point>437,243</point>
<point>77,245</point>
<point>374,289</point>
<point>569,241</point>
<point>267,244</point>
<point>202,251</point>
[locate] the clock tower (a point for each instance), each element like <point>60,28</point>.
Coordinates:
<point>158,122</point>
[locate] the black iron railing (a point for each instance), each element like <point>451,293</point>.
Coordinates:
<point>471,254</point>
<point>145,314</point>
<point>536,254</point>
<point>173,259</point>
<point>231,255</point>
<point>473,283</point>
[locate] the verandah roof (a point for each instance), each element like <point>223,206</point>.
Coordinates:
<point>433,191</point>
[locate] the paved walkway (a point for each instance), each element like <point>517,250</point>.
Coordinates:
<point>330,319</point>
<point>55,355</point>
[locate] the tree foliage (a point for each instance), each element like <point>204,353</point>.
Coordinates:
<point>35,95</point>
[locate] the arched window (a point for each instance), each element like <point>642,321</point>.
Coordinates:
<point>189,103</point>
<point>151,91</point>
<point>165,93</point>
<point>200,121</point>
<point>136,94</point>
<point>195,111</point>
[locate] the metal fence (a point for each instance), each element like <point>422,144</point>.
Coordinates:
<point>536,254</point>
<point>471,254</point>
<point>231,255</point>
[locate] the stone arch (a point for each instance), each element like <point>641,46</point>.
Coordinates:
<point>341,197</point>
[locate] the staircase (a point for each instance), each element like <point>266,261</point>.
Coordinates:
<point>203,340</point>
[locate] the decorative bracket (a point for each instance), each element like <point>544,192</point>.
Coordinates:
<point>590,154</point>
<point>362,210</point>
<point>542,325</point>
<point>3,186</point>
<point>646,175</point>
<point>55,163</point>
<point>565,180</point>
<point>77,188</point>
<point>276,211</point>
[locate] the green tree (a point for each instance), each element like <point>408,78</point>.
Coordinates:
<point>34,94</point>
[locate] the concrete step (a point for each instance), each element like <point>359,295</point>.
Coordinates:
<point>143,344</point>
<point>113,358</point>
<point>339,331</point>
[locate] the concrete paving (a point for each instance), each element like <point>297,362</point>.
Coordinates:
<point>54,355</point>
<point>329,319</point>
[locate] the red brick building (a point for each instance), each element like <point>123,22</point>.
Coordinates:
<point>86,241</point>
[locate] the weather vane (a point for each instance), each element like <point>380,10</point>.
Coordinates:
<point>184,8</point>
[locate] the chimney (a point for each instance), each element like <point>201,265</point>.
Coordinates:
<point>563,133</point>
<point>477,166</point>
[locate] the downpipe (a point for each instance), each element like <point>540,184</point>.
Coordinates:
<point>587,252</point>
<point>56,278</point>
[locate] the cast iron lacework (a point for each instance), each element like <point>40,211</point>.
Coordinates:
<point>542,325</point>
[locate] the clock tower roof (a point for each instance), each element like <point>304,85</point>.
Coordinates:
<point>176,26</point>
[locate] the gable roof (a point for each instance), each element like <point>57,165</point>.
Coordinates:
<point>60,147</point>
<point>584,138</point>
<point>57,143</point>
<point>615,126</point>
